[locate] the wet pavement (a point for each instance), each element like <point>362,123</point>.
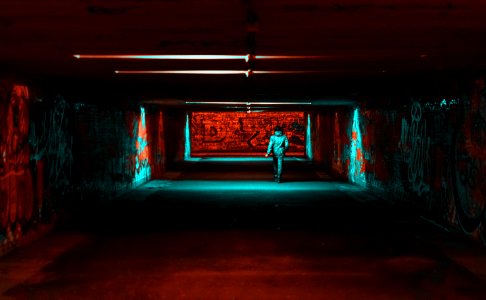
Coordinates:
<point>213,234</point>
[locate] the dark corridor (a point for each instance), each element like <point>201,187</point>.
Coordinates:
<point>133,137</point>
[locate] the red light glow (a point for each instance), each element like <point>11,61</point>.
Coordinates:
<point>243,134</point>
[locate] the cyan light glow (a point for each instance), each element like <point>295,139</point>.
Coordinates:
<point>357,165</point>
<point>252,186</point>
<point>308,139</point>
<point>142,166</point>
<point>187,139</point>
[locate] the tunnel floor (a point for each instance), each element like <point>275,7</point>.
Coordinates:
<point>212,232</point>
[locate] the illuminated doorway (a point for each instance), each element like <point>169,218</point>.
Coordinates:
<point>242,134</point>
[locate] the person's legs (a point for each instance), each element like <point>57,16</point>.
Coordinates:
<point>275,168</point>
<point>279,168</point>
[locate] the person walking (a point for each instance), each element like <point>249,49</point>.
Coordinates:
<point>278,145</point>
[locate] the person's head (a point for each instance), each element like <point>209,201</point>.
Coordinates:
<point>278,130</point>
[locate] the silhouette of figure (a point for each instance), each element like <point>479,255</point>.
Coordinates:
<point>278,145</point>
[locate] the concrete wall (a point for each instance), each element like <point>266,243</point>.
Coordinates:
<point>174,122</point>
<point>56,155</point>
<point>35,162</point>
<point>156,142</point>
<point>111,150</point>
<point>325,143</point>
<point>429,152</point>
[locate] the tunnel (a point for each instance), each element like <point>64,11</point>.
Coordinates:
<point>140,144</point>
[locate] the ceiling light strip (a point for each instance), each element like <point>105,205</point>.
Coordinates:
<point>195,57</point>
<point>285,72</point>
<point>291,57</point>
<point>211,72</point>
<point>244,103</point>
<point>193,72</point>
<point>159,57</point>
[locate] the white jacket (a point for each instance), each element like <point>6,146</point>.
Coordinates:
<point>279,144</point>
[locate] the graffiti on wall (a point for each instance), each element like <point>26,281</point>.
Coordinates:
<point>142,167</point>
<point>16,184</point>
<point>51,139</point>
<point>469,163</point>
<point>243,133</point>
<point>356,163</point>
<point>102,149</point>
<point>415,147</point>
<point>14,113</point>
<point>112,151</point>
<point>430,153</point>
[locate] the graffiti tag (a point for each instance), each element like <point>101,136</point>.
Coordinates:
<point>415,146</point>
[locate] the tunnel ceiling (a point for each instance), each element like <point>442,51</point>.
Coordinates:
<point>361,41</point>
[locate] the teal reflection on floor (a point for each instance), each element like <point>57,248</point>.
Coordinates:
<point>253,186</point>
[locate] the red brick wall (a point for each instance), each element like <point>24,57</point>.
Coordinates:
<point>241,133</point>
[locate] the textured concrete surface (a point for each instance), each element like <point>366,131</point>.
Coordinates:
<point>233,238</point>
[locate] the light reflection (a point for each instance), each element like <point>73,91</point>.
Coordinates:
<point>357,166</point>
<point>308,139</point>
<point>187,138</point>
<point>142,166</point>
